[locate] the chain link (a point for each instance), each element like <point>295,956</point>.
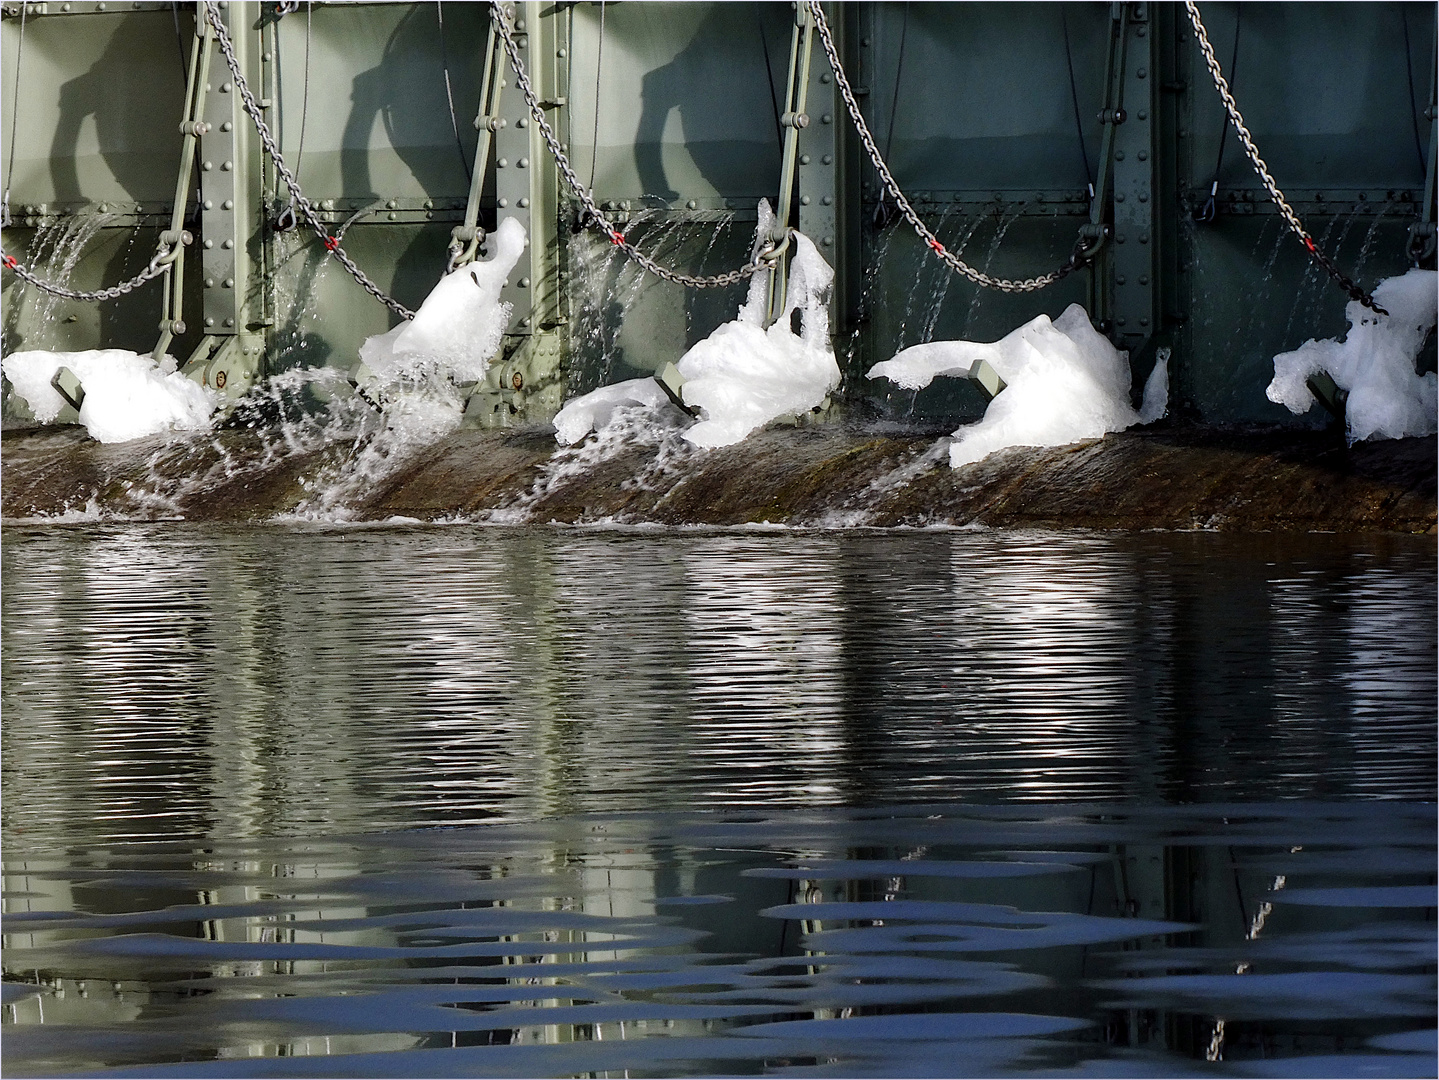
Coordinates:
<point>763,260</point>
<point>1286,211</point>
<point>953,261</point>
<point>158,265</point>
<point>307,208</point>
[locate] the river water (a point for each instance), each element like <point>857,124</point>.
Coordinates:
<point>432,801</point>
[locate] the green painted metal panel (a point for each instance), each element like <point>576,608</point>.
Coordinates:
<point>975,105</point>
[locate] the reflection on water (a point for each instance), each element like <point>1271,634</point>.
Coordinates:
<point>456,801</point>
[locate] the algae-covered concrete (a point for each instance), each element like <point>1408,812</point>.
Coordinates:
<point>830,476</point>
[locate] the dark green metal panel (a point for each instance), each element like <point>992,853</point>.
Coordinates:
<point>988,113</point>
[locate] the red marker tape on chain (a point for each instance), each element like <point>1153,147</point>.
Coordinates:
<point>1309,244</point>
<point>616,238</point>
<point>10,262</point>
<point>937,246</point>
<point>332,243</point>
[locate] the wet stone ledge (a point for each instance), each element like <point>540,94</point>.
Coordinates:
<point>831,476</point>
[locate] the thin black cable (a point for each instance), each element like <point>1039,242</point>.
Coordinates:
<point>599,65</point>
<point>883,212</point>
<point>769,74</point>
<point>449,91</point>
<point>898,71</point>
<point>1413,108</point>
<point>305,99</point>
<point>180,42</point>
<point>1074,100</point>
<point>15,113</point>
<point>1210,208</point>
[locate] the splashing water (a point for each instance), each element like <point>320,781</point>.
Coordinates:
<point>55,250</point>
<point>1374,363</point>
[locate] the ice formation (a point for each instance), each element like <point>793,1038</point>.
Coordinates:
<point>459,326</point>
<point>1064,382</point>
<point>1388,398</point>
<point>743,375</point>
<point>127,395</point>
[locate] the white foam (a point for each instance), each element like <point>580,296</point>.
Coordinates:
<point>127,395</point>
<point>458,328</point>
<point>1156,390</point>
<point>1064,383</point>
<point>1374,362</point>
<point>743,375</point>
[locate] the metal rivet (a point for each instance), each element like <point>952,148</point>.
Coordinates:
<point>1144,320</point>
<point>229,283</point>
<point>827,118</point>
<point>523,203</point>
<point>227,166</point>
<point>226,126</point>
<point>429,204</point>
<point>393,216</point>
<point>692,205</point>
<point>392,205</point>
<point>827,200</point>
<point>804,159</point>
<point>228,244</point>
<point>265,57</point>
<point>1144,279</point>
<point>523,163</point>
<point>1144,155</point>
<point>1119,196</point>
<point>1119,279</point>
<point>206,166</point>
<point>502,163</point>
<point>804,200</point>
<point>504,202</point>
<point>828,159</point>
<point>523,121</point>
<point>228,204</point>
<point>208,322</point>
<point>209,244</point>
<point>1143,114</point>
<point>1141,73</point>
<point>210,284</point>
<point>561,53</point>
<point>225,88</point>
<point>524,283</point>
<point>828,241</point>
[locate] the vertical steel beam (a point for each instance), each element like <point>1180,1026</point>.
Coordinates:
<point>822,172</point>
<point>231,216</point>
<point>1136,234</point>
<point>527,379</point>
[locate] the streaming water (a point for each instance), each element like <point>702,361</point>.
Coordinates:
<point>436,801</point>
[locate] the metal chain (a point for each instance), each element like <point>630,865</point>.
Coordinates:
<point>1277,196</point>
<point>953,261</point>
<point>158,265</point>
<point>307,208</point>
<point>761,261</point>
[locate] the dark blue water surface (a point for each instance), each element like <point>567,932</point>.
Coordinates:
<point>434,801</point>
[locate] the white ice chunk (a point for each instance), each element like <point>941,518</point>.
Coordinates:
<point>592,411</point>
<point>1064,382</point>
<point>1388,398</point>
<point>127,395</point>
<point>459,326</point>
<point>743,375</point>
<point>1156,390</point>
